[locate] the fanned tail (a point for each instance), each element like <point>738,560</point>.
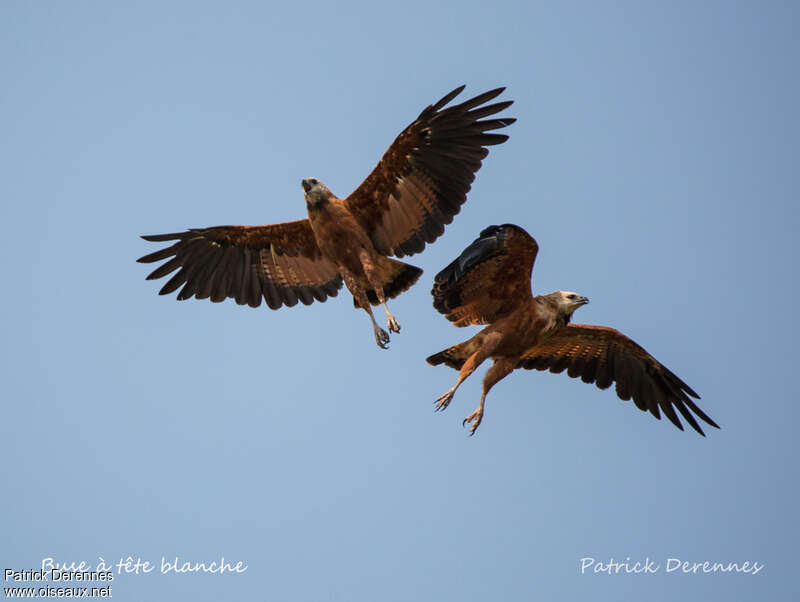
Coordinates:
<point>397,277</point>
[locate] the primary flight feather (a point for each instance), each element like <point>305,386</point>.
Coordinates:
<point>415,189</point>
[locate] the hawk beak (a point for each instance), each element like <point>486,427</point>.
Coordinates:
<point>584,300</point>
<point>306,185</point>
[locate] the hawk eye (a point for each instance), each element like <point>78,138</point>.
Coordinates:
<point>570,296</point>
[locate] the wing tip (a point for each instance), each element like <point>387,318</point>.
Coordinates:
<point>497,139</point>
<point>446,98</point>
<point>155,256</point>
<point>162,237</point>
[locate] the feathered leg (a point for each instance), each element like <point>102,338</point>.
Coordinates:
<point>381,336</point>
<point>500,369</point>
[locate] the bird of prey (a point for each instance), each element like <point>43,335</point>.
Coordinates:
<point>416,188</point>
<point>490,283</point>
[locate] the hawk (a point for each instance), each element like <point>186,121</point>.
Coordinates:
<point>490,283</point>
<point>416,188</point>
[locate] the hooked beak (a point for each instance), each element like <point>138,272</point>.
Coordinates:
<point>583,300</point>
<point>306,185</point>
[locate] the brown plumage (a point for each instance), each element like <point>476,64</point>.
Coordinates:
<point>417,187</point>
<point>490,283</point>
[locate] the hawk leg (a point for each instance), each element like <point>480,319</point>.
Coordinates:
<point>487,345</point>
<point>381,336</point>
<point>499,370</point>
<point>391,321</point>
<point>372,276</point>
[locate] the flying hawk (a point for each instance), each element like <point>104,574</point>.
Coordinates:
<point>490,283</point>
<point>417,187</point>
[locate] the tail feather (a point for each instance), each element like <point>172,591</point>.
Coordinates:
<point>454,356</point>
<point>398,277</point>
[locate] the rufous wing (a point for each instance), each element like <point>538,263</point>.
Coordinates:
<point>423,178</point>
<point>603,356</point>
<point>280,262</point>
<point>490,278</point>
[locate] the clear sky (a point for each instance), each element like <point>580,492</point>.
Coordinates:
<point>655,161</point>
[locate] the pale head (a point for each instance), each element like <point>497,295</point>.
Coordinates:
<point>568,302</point>
<point>315,192</point>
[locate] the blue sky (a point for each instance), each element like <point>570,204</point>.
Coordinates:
<point>655,161</point>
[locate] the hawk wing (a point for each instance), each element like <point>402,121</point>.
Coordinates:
<point>423,178</point>
<point>489,279</point>
<point>603,355</point>
<point>280,262</point>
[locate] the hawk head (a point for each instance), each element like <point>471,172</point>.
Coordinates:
<point>315,192</point>
<point>568,302</point>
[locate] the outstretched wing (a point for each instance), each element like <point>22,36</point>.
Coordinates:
<point>423,178</point>
<point>281,262</point>
<point>603,355</point>
<point>489,279</point>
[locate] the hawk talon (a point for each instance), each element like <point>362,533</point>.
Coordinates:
<point>444,400</point>
<point>382,338</point>
<point>477,416</point>
<point>392,323</point>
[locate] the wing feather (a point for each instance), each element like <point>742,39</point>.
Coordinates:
<point>490,278</point>
<point>280,262</point>
<point>225,269</point>
<point>256,292</point>
<point>235,283</point>
<point>603,355</point>
<point>206,277</point>
<point>440,152</point>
